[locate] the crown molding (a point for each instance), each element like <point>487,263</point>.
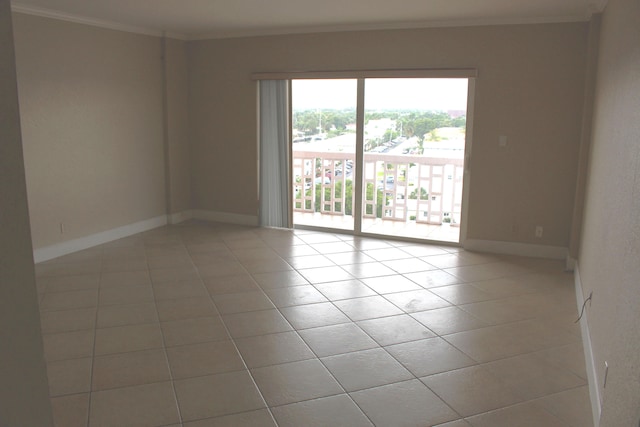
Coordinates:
<point>596,7</point>
<point>388,26</point>
<point>101,23</point>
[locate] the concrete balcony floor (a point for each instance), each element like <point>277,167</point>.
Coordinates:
<point>441,233</point>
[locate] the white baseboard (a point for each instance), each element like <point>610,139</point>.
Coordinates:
<point>64,248</point>
<point>70,246</point>
<point>229,218</point>
<point>592,373</point>
<point>512,248</point>
<point>178,217</point>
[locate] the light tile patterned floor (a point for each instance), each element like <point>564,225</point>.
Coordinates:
<point>202,324</point>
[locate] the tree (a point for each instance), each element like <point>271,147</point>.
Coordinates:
<point>308,121</point>
<point>459,122</point>
<point>413,123</point>
<point>390,135</point>
<point>323,197</point>
<point>423,194</point>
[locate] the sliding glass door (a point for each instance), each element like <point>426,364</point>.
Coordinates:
<point>393,167</point>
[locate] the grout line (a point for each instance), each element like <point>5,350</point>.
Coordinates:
<point>235,345</point>
<point>182,241</point>
<point>354,322</point>
<point>313,351</point>
<point>93,351</point>
<point>164,344</point>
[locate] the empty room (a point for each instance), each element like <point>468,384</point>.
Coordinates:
<point>373,213</point>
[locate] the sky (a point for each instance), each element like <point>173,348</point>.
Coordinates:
<point>382,94</point>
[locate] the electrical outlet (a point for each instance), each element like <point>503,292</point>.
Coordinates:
<point>539,230</point>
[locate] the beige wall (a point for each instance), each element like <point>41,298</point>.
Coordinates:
<point>609,260</point>
<point>91,102</point>
<point>530,88</point>
<point>593,45</point>
<point>97,149</point>
<point>24,392</point>
<point>177,126</point>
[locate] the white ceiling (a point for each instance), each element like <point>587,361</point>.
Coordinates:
<point>194,19</point>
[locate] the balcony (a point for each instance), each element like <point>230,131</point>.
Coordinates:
<point>403,195</point>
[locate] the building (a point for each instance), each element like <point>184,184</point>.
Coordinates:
<point>122,131</point>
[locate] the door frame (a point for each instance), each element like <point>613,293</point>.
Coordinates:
<point>361,75</point>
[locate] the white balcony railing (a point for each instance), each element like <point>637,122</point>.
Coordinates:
<point>404,188</point>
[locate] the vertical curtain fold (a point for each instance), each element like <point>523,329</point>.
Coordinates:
<point>274,154</point>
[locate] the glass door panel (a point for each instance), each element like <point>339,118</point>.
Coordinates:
<point>323,152</point>
<point>414,142</point>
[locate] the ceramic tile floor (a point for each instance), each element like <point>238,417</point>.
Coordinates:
<point>202,324</point>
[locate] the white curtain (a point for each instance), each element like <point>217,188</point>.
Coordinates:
<point>274,154</point>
